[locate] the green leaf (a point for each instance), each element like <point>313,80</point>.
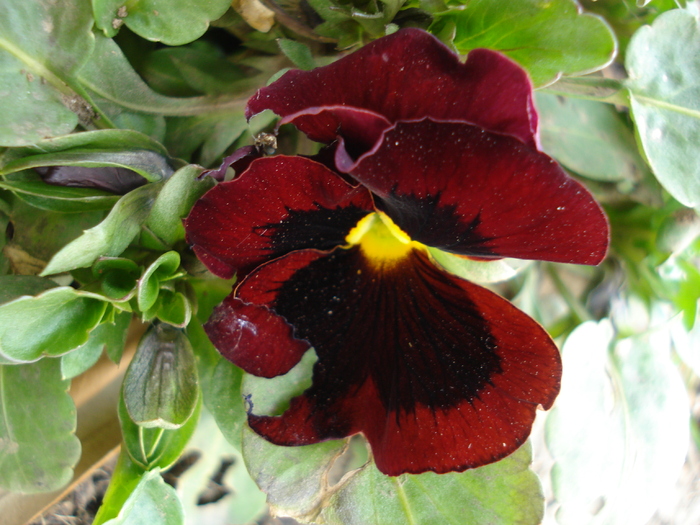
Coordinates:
<point>619,431</point>
<point>208,135</point>
<point>160,386</point>
<point>506,492</point>
<point>149,283</point>
<point>108,336</point>
<point>664,82</point>
<point>173,22</point>
<point>82,358</point>
<point>292,477</point>
<point>38,447</point>
<point>298,53</point>
<point>118,277</point>
<point>589,138</point>
<point>155,447</point>
<point>548,39</point>
<point>173,308</point>
<point>153,502</point>
<point>14,286</point>
<point>125,479</point>
<point>109,238</point>
<point>477,271</point>
<point>110,147</point>
<point>52,323</point>
<point>109,75</point>
<point>60,198</point>
<point>42,46</point>
<point>174,202</point>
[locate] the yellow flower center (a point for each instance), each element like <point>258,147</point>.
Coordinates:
<point>381,241</point>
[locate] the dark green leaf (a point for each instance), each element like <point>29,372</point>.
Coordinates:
<point>664,82</point>
<point>298,53</point>
<point>589,138</point>
<point>118,277</point>
<point>38,447</point>
<point>125,478</point>
<point>160,386</point>
<point>52,323</point>
<point>547,38</point>
<point>174,202</point>
<point>14,286</point>
<point>60,198</point>
<point>209,135</point>
<point>109,238</point>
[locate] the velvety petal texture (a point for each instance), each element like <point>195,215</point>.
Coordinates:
<point>405,76</point>
<point>464,190</point>
<point>278,205</point>
<point>438,373</point>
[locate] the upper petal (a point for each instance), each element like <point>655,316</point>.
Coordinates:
<point>407,75</point>
<point>458,188</point>
<point>438,373</point>
<point>278,205</point>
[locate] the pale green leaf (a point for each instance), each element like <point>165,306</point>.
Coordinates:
<point>153,502</point>
<point>42,46</point>
<point>589,138</point>
<point>38,447</point>
<point>52,323</point>
<point>664,89</point>
<point>619,431</point>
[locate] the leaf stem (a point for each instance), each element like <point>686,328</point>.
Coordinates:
<point>600,89</point>
<point>577,309</point>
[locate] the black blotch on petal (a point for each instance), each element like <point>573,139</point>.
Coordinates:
<point>320,228</point>
<point>409,327</point>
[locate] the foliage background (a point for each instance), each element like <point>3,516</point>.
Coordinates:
<point>158,87</point>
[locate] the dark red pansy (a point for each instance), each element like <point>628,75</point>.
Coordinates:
<point>278,205</point>
<point>464,190</point>
<point>438,373</point>
<point>409,75</point>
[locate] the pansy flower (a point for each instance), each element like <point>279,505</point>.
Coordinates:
<point>438,373</point>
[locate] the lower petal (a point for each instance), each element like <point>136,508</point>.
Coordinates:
<point>438,373</point>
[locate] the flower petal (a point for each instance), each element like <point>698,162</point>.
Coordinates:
<point>258,340</point>
<point>404,76</point>
<point>438,373</point>
<point>455,187</point>
<point>278,205</point>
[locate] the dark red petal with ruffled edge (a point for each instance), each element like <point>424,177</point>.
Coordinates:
<point>455,187</point>
<point>405,76</point>
<point>259,340</point>
<point>278,205</point>
<point>438,373</point>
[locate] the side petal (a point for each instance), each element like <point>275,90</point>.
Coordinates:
<point>278,205</point>
<point>438,373</point>
<point>458,188</point>
<point>405,76</point>
<point>256,339</point>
